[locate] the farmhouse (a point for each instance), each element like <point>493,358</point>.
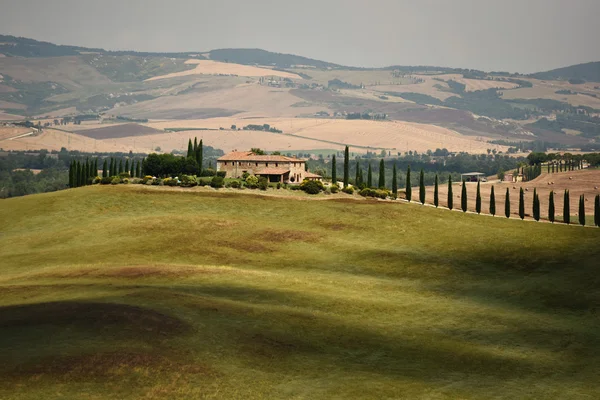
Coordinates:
<point>275,168</point>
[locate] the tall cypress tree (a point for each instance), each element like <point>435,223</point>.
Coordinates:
<point>381,174</point>
<point>85,172</point>
<point>582,210</point>
<point>71,174</point>
<point>369,177</point>
<point>436,192</point>
<point>190,151</point>
<point>408,185</point>
<point>597,210</point>
<point>143,166</point>
<point>138,169</point>
<point>195,146</point>
<point>478,198</point>
<point>112,171</point>
<point>358,175</point>
<point>120,167</point>
<point>521,204</point>
<point>463,197</point>
<point>199,157</point>
<point>492,202</point>
<point>536,206</point>
<point>126,166</point>
<point>551,210</point>
<point>507,204</point>
<point>566,208</point>
<point>132,171</point>
<point>394,182</point>
<point>334,170</point>
<point>79,175</point>
<point>422,187</point>
<point>450,195</point>
<point>346,167</point>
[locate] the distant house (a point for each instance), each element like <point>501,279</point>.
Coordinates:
<point>275,168</point>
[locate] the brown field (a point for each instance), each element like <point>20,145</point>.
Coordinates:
<point>426,88</point>
<point>583,182</point>
<point>548,91</point>
<point>10,117</point>
<point>117,131</point>
<point>9,132</point>
<point>366,77</point>
<point>57,114</point>
<point>244,100</point>
<point>402,136</point>
<point>51,139</point>
<point>10,104</point>
<point>209,67</point>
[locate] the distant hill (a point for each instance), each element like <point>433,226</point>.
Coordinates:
<point>263,57</point>
<point>587,72</point>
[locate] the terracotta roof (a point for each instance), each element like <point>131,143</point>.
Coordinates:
<point>272,171</point>
<point>311,175</point>
<point>248,156</point>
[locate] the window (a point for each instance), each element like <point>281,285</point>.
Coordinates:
<point>257,164</point>
<point>225,163</point>
<point>277,164</point>
<point>267,164</point>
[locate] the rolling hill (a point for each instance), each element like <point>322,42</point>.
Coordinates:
<point>587,72</point>
<point>155,293</point>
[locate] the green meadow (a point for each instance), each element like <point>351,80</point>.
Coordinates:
<point>134,292</point>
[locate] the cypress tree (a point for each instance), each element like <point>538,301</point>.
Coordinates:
<point>84,173</point>
<point>199,156</point>
<point>143,166</point>
<point>195,145</point>
<point>334,170</point>
<point>381,174</point>
<point>566,208</point>
<point>582,210</point>
<point>79,175</point>
<point>190,152</point>
<point>358,175</point>
<point>361,178</point>
<point>346,167</point>
<point>436,194</point>
<point>120,167</point>
<point>422,187</point>
<point>597,210</point>
<point>463,197</point>
<point>71,174</point>
<point>507,204</point>
<point>478,198</point>
<point>96,167</point>
<point>369,177</point>
<point>536,206</point>
<point>551,207</point>
<point>492,202</point>
<point>521,204</point>
<point>132,171</point>
<point>126,166</point>
<point>394,182</point>
<point>450,195</point>
<point>112,167</point>
<point>138,170</point>
<point>408,185</point>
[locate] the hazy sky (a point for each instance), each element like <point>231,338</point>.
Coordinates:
<point>507,35</point>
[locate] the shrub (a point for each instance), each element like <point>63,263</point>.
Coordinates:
<point>295,187</point>
<point>106,180</point>
<point>377,193</point>
<point>235,184</point>
<point>208,172</point>
<point>334,189</point>
<point>147,179</point>
<point>124,175</point>
<point>115,180</point>
<point>278,185</point>
<point>348,190</point>
<point>221,173</point>
<point>188,181</point>
<point>125,181</point>
<point>312,187</point>
<point>263,183</point>
<point>157,182</point>
<point>217,182</point>
<point>96,180</point>
<point>136,181</point>
<point>245,175</point>
<point>170,182</point>
<point>252,182</point>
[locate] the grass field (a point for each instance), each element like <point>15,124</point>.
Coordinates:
<point>145,292</point>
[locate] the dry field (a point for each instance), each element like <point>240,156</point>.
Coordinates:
<point>10,117</point>
<point>366,78</point>
<point>402,136</point>
<point>209,67</point>
<point>244,100</point>
<point>548,91</point>
<point>583,182</point>
<point>10,104</point>
<point>52,139</point>
<point>9,132</point>
<point>117,131</point>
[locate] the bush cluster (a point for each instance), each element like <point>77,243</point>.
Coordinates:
<point>312,187</point>
<point>377,193</point>
<point>348,190</point>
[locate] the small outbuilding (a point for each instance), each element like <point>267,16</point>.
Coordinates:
<point>473,177</point>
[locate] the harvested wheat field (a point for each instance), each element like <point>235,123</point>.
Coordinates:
<point>7,133</point>
<point>209,67</point>
<point>10,117</point>
<point>396,136</point>
<point>51,139</point>
<point>582,182</point>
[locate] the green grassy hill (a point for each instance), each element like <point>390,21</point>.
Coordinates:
<point>143,292</point>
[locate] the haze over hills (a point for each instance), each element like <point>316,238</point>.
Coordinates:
<point>41,79</point>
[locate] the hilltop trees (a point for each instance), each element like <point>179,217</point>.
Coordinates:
<point>492,202</point>
<point>334,171</point>
<point>346,167</point>
<point>450,199</point>
<point>436,194</point>
<point>521,204</point>
<point>408,185</point>
<point>394,183</point>
<point>551,207</point>
<point>381,174</point>
<point>422,187</point>
<point>582,210</point>
<point>463,197</point>
<point>507,204</point>
<point>190,151</point>
<point>566,208</point>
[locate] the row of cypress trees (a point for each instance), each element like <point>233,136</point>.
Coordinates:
<point>195,151</point>
<point>116,168</point>
<point>82,173</point>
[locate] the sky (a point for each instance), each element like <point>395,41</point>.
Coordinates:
<point>492,35</point>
